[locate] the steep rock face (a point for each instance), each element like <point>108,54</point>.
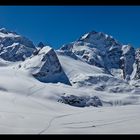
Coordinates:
<point>14,47</point>
<point>82,101</point>
<point>46,67</point>
<point>103,51</point>
<point>92,48</point>
<point>127,61</point>
<point>136,73</point>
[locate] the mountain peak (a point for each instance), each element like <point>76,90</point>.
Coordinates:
<point>6,31</point>
<point>14,47</point>
<point>88,34</point>
<point>102,50</point>
<point>45,66</point>
<point>40,45</point>
<point>3,30</point>
<point>95,37</point>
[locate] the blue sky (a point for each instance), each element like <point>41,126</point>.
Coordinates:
<point>57,25</point>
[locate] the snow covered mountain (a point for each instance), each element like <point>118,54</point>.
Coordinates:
<point>14,47</point>
<point>102,50</point>
<point>45,66</point>
<point>72,90</point>
<point>109,57</point>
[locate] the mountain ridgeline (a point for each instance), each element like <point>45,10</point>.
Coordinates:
<point>101,50</point>
<point>93,48</point>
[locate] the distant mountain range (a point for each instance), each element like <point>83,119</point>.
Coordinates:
<point>115,60</point>
<point>89,86</point>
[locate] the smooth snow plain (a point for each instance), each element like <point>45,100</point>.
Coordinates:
<point>28,106</point>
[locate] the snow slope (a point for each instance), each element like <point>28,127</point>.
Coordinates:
<point>84,75</point>
<point>30,106</point>
<point>27,115</point>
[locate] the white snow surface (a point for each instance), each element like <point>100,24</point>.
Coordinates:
<point>28,106</point>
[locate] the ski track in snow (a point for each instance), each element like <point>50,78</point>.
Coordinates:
<point>51,121</point>
<point>94,124</point>
<point>57,117</point>
<point>103,124</point>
